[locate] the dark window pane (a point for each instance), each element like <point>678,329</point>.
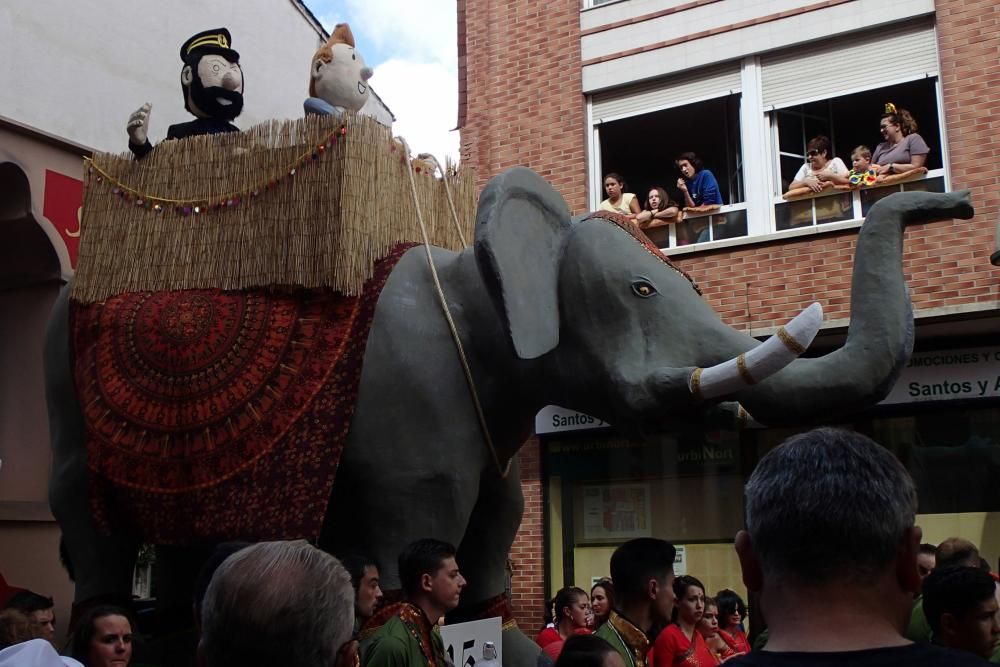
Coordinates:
<point>793,214</point>
<point>730,225</point>
<point>790,133</point>
<point>789,167</point>
<point>833,208</point>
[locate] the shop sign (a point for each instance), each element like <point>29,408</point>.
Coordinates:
<point>554,419</point>
<point>944,375</point>
<point>948,375</point>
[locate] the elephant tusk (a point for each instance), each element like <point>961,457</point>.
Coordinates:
<point>762,361</point>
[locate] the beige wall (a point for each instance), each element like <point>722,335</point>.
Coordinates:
<point>29,558</point>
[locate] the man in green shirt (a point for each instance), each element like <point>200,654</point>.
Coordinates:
<point>642,572</point>
<point>432,584</point>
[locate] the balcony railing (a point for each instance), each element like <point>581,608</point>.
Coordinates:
<point>844,205</point>
<point>730,222</point>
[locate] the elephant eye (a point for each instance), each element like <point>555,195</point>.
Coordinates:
<point>643,288</point>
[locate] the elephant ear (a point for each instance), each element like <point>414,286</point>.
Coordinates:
<point>520,227</point>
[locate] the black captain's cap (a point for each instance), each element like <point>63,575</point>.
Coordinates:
<point>209,41</point>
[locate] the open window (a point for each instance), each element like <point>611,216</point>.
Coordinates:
<point>643,148</point>
<point>850,121</point>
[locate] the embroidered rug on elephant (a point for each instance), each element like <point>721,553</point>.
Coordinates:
<point>215,415</point>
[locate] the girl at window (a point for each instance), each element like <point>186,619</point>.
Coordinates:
<point>618,200</point>
<point>698,186</point>
<point>903,149</point>
<point>680,644</point>
<point>657,208</point>
<point>820,171</point>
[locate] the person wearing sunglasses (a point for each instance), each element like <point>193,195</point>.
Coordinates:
<point>820,171</point>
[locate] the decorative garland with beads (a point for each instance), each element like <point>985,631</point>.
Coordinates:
<point>201,205</point>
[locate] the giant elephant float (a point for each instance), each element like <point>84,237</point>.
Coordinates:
<point>548,309</point>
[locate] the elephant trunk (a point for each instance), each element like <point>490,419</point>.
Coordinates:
<point>880,336</point>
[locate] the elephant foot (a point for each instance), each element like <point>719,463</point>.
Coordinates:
<point>519,651</point>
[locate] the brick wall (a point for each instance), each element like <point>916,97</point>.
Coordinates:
<point>528,553</point>
<point>520,91</point>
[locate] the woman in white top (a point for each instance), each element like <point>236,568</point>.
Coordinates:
<point>820,171</point>
<point>618,200</point>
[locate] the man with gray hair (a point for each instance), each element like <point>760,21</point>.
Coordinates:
<point>277,603</point>
<point>831,549</point>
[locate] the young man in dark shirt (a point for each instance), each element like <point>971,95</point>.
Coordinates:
<point>831,549</point>
<point>961,607</point>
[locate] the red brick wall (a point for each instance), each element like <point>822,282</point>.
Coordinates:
<point>528,553</point>
<point>520,91</point>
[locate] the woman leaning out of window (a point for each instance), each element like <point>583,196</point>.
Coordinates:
<point>821,170</point>
<point>618,200</point>
<point>658,209</point>
<point>903,149</point>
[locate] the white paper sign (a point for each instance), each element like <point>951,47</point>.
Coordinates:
<point>680,561</point>
<point>463,642</point>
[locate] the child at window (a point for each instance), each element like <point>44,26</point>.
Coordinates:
<point>863,174</point>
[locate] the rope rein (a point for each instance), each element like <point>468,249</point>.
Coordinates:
<point>501,469</point>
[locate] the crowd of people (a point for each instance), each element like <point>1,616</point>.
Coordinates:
<point>830,548</point>
<point>838,566</point>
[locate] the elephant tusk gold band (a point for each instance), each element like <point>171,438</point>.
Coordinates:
<point>741,366</point>
<point>694,384</point>
<point>793,345</point>
<point>501,469</point>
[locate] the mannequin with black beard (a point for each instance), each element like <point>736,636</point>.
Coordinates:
<point>212,82</point>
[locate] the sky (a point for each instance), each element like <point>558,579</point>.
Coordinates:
<point>412,47</point>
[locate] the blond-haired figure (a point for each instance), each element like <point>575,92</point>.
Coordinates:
<point>338,77</point>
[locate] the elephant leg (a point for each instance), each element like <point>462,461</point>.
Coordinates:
<point>483,555</point>
<point>101,565</point>
<point>377,510</point>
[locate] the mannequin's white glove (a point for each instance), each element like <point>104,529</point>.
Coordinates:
<point>138,124</point>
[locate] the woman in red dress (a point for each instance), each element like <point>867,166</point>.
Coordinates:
<point>721,644</point>
<point>732,611</point>
<point>680,643</point>
<point>569,615</point>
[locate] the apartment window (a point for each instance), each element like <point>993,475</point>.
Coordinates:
<point>642,149</point>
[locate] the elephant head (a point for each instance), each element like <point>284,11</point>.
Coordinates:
<point>615,330</point>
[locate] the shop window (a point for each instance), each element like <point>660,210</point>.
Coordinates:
<point>685,486</point>
<point>642,150</point>
<point>849,121</point>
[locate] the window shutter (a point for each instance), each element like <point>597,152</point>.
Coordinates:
<point>847,64</point>
<point>666,93</point>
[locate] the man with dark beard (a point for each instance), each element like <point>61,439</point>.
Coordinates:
<point>212,82</point>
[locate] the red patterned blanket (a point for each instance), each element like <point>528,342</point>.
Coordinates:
<point>214,415</point>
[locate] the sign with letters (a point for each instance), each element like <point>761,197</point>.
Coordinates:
<point>554,419</point>
<point>948,375</point>
<point>463,642</point>
<point>942,375</point>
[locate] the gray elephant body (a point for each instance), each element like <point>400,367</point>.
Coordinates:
<point>547,311</point>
